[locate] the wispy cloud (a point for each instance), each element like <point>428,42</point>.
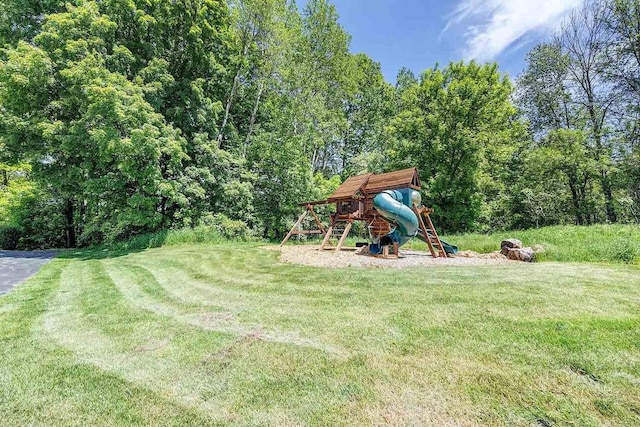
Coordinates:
<point>492,26</point>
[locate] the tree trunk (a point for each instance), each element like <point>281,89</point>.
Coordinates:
<point>234,88</point>
<point>575,197</point>
<point>82,212</point>
<point>612,217</point>
<point>70,226</point>
<point>605,181</point>
<point>252,120</point>
<point>314,159</point>
<point>587,213</point>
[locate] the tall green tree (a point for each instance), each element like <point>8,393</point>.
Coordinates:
<point>259,33</point>
<point>368,107</point>
<point>623,69</point>
<point>557,122</point>
<point>543,91</point>
<point>88,132</point>
<point>622,21</point>
<point>276,149</point>
<point>563,156</point>
<point>457,125</point>
<point>584,39</point>
<point>327,80</point>
<point>321,109</point>
<point>183,49</point>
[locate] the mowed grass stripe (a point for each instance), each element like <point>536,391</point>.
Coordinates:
<point>215,266</point>
<point>127,344</point>
<point>150,288</point>
<point>298,309</point>
<point>132,278</point>
<point>182,287</point>
<point>44,384</point>
<point>142,290</point>
<point>200,280</point>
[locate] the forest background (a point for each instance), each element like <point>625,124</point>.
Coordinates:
<point>124,117</point>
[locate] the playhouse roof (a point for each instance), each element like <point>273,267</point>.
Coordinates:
<point>405,178</point>
<point>350,187</point>
<point>371,184</point>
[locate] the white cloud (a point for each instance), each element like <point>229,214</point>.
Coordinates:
<point>494,25</point>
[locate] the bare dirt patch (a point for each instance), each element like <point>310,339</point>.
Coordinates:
<point>311,256</point>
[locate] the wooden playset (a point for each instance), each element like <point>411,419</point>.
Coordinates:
<point>389,204</point>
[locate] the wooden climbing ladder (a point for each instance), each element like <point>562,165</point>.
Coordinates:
<point>335,231</point>
<point>428,233</point>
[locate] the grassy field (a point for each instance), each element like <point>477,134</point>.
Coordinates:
<point>226,335</point>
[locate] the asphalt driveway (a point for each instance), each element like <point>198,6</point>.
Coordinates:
<point>16,267</point>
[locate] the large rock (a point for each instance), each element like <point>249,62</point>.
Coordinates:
<point>521,254</point>
<point>510,244</point>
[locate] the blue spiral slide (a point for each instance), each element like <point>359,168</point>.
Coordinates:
<point>395,207</point>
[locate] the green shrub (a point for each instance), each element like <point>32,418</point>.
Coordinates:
<point>227,227</point>
<point>38,215</point>
<point>9,237</point>
<point>234,231</point>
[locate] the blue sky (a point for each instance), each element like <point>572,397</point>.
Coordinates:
<point>420,33</point>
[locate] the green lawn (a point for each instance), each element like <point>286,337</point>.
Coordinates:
<point>226,335</point>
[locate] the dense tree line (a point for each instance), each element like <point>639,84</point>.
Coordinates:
<point>120,117</point>
<point>580,94</point>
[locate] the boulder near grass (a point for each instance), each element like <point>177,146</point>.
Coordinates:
<point>521,254</point>
<point>508,244</point>
<point>514,250</point>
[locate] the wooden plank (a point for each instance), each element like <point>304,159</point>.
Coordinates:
<point>424,209</point>
<point>320,226</point>
<point>393,180</point>
<point>327,237</point>
<point>315,217</point>
<point>297,224</point>
<point>344,236</point>
<point>370,183</point>
<point>306,232</point>
<point>319,202</point>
